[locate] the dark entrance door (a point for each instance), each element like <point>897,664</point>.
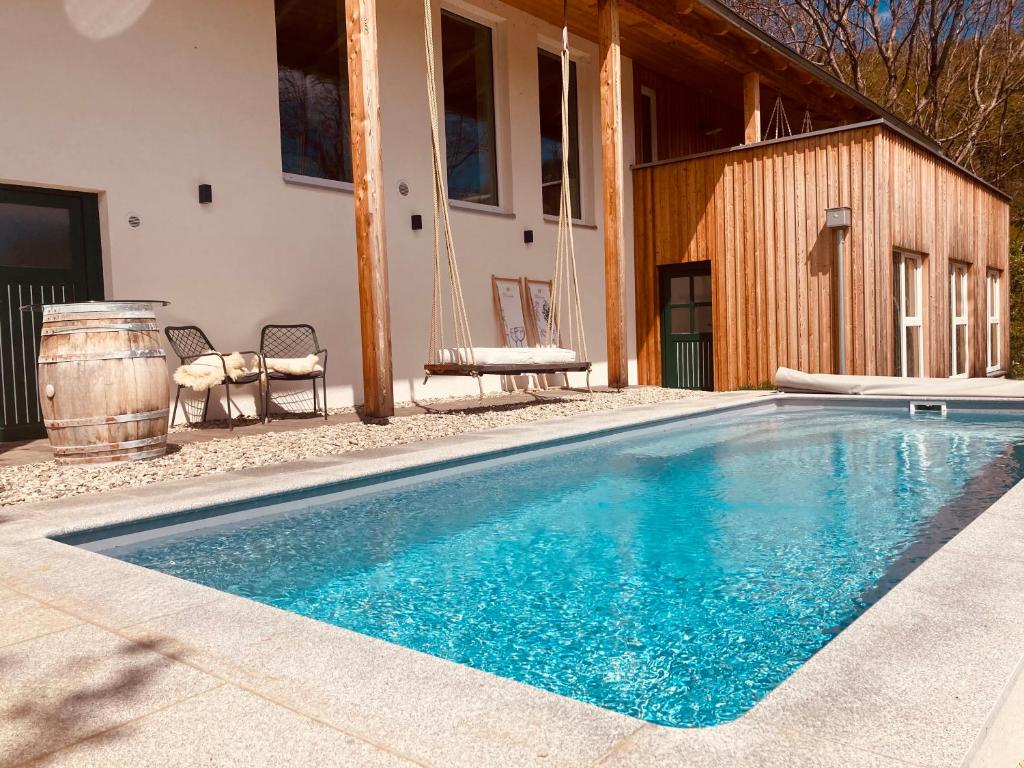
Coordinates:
<point>49,252</point>
<point>687,361</point>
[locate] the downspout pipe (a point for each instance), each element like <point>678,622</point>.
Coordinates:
<point>838,220</point>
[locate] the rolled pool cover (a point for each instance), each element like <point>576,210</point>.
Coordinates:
<point>790,380</point>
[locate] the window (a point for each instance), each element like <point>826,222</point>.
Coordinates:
<point>993,298</point>
<point>958,313</point>
<point>907,301</point>
<point>312,82</point>
<point>549,73</point>
<point>467,64</point>
<point>648,128</point>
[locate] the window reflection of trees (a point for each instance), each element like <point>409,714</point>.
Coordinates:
<point>315,130</point>
<point>470,131</point>
<point>469,154</point>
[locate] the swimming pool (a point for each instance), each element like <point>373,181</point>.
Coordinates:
<point>675,573</point>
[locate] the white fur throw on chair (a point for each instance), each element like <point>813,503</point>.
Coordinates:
<point>206,372</point>
<point>293,366</point>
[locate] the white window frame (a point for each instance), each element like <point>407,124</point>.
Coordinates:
<point>301,179</point>
<point>993,303</point>
<point>958,282</point>
<point>910,320</point>
<point>502,119</point>
<point>586,86</point>
<point>650,93</point>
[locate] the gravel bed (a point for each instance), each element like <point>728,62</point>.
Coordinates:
<point>48,481</point>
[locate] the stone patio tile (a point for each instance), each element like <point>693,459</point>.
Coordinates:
<point>903,679</point>
<point>68,685</point>
<point>100,589</point>
<point>745,743</point>
<point>22,618</point>
<point>248,732</point>
<point>1003,742</point>
<point>428,709</point>
<point>993,535</point>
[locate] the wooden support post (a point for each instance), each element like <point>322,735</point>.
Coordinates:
<point>613,182</point>
<point>751,108</point>
<point>368,184</point>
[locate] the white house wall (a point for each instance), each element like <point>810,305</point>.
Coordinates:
<point>143,101</point>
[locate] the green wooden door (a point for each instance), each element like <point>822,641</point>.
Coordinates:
<point>687,360</point>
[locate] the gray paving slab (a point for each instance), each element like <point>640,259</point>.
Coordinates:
<point>1002,741</point>
<point>109,592</point>
<point>224,727</point>
<point>430,709</point>
<point>67,685</point>
<point>22,618</point>
<point>908,682</point>
<point>746,743</point>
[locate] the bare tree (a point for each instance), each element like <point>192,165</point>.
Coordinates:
<point>953,68</point>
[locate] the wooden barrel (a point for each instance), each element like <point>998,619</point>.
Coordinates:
<point>103,382</point>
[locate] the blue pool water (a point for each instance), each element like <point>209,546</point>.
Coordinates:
<point>676,574</point>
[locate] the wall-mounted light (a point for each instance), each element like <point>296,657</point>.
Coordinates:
<point>417,222</point>
<point>527,236</point>
<point>205,194</point>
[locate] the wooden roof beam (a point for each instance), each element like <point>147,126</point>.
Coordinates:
<point>737,60</point>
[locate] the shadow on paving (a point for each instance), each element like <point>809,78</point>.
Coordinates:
<point>44,724</point>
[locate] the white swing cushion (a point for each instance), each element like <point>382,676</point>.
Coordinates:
<point>506,356</point>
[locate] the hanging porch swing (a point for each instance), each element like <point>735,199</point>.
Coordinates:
<point>565,315</point>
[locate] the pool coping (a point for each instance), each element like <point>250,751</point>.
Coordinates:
<point>914,681</point>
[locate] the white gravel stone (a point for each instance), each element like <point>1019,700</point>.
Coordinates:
<point>48,481</point>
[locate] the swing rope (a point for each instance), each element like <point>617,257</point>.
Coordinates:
<point>779,121</point>
<point>807,126</point>
<point>565,279</point>
<point>565,291</point>
<point>442,221</point>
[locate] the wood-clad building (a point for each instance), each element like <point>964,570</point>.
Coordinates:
<point>740,148</point>
<point>755,217</point>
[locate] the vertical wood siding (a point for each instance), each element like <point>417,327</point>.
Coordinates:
<point>758,214</point>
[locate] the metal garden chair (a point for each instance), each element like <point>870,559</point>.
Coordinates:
<point>189,344</point>
<point>289,341</point>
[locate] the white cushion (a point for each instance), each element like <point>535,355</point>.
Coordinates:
<point>507,356</point>
<point>293,366</point>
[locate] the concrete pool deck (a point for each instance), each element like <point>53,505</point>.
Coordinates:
<point>107,663</point>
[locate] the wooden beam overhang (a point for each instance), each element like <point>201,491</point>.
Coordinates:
<point>368,189</point>
<point>712,40</point>
<point>613,185</point>
<point>840,90</point>
<point>682,39</point>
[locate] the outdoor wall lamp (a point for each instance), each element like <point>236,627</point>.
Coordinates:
<point>205,194</point>
<point>838,220</point>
